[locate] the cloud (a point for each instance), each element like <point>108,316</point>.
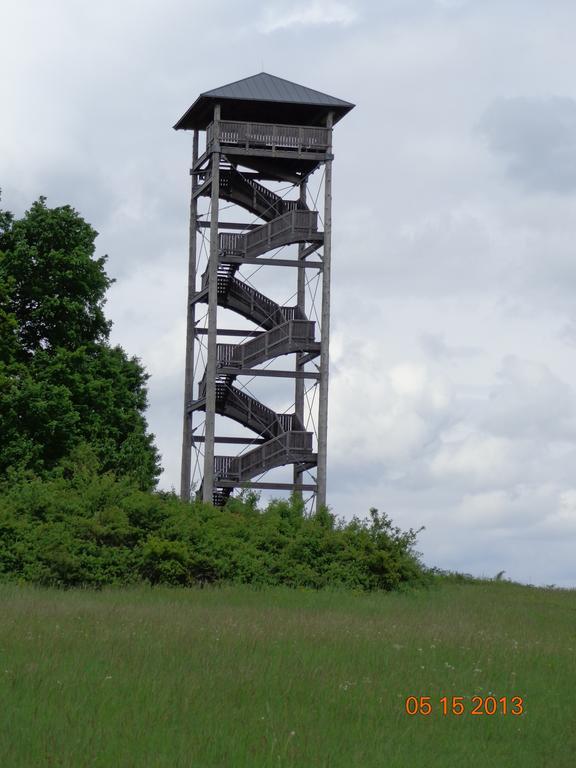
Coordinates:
<point>437,349</point>
<point>480,460</point>
<point>536,139</point>
<point>385,416</point>
<point>529,401</point>
<point>318,13</point>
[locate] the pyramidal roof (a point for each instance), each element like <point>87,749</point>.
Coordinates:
<point>266,91</point>
<point>265,87</point>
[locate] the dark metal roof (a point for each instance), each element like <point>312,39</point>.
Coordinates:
<point>264,98</point>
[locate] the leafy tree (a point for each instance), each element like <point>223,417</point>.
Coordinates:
<point>61,383</point>
<point>57,287</point>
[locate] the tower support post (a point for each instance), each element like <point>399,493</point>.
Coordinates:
<point>208,481</point>
<point>325,328</point>
<point>190,337</point>
<point>301,304</point>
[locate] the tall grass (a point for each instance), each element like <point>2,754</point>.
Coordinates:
<point>251,678</point>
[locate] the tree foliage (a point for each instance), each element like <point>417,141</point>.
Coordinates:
<point>61,382</point>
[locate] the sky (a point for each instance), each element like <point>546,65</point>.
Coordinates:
<point>452,403</point>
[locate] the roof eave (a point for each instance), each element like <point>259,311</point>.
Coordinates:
<point>195,116</point>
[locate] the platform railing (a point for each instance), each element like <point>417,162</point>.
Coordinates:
<point>301,138</point>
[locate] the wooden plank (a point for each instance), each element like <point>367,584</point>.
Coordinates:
<point>230,371</point>
<point>325,331</point>
<point>277,153</point>
<point>299,383</point>
<point>267,486</point>
<point>202,188</point>
<point>229,225</point>
<point>232,440</point>
<point>187,426</point>
<point>196,297</point>
<point>230,332</point>
<point>305,252</point>
<point>209,425</point>
<point>304,264</point>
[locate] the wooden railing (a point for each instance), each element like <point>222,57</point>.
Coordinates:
<point>294,226</point>
<point>279,341</point>
<point>274,453</point>
<point>301,138</point>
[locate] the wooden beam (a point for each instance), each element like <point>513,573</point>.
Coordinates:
<point>229,225</point>
<point>202,188</point>
<point>301,304</point>
<point>232,440</point>
<point>198,296</point>
<point>325,327</point>
<point>229,371</point>
<point>231,332</point>
<point>304,264</point>
<point>186,458</point>
<point>267,486</point>
<point>286,154</point>
<point>209,425</point>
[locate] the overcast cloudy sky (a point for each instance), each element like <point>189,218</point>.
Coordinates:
<point>454,320</point>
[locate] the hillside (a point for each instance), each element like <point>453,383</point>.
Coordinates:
<point>251,678</point>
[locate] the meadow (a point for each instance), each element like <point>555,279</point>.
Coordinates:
<point>255,678</point>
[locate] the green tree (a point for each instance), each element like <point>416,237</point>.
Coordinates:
<point>61,382</point>
<point>57,287</point>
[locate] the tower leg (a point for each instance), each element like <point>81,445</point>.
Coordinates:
<point>325,330</point>
<point>208,481</point>
<point>190,323</point>
<point>301,303</point>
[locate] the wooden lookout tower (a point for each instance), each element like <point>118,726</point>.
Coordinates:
<point>253,209</point>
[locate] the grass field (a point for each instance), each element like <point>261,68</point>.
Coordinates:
<point>240,678</point>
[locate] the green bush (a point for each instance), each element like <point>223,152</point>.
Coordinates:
<point>81,527</point>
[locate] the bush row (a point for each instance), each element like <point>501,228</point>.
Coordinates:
<point>85,528</point>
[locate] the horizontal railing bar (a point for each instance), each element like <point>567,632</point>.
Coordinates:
<point>301,264</point>
<point>232,440</point>
<point>229,225</point>
<point>316,129</point>
<point>230,332</point>
<point>267,486</point>
<point>230,371</point>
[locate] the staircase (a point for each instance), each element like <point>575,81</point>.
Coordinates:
<point>241,189</point>
<point>246,410</point>
<point>291,227</point>
<point>242,298</point>
<point>290,336</point>
<point>288,448</point>
<point>285,330</point>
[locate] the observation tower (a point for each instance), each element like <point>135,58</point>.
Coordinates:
<point>258,289</point>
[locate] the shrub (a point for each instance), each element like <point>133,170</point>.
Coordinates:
<point>79,527</point>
